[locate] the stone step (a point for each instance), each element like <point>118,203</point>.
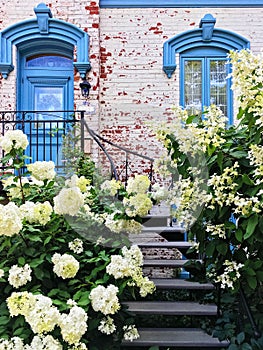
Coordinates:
<point>190,338</point>
<point>171,308</point>
<point>163,229</point>
<point>163,244</point>
<point>173,283</point>
<point>165,263</point>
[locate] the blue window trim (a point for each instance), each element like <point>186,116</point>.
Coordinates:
<point>44,29</point>
<point>206,37</point>
<point>205,91</point>
<point>179,3</point>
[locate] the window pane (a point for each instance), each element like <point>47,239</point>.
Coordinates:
<point>193,86</point>
<point>49,62</point>
<point>218,84</point>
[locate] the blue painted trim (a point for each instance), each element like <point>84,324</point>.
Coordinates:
<point>31,33</point>
<point>191,39</point>
<point>179,3</point>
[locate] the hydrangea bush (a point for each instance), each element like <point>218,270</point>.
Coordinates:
<point>217,172</point>
<point>66,263</point>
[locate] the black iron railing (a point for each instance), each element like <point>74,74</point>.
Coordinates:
<point>123,161</point>
<point>47,129</point>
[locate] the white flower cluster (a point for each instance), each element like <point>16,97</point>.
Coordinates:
<point>81,182</point>
<point>13,139</point>
<point>130,332</point>
<point>129,265</point>
<point>122,225</point>
<point>43,317</point>
<point>14,343</point>
<point>65,266</point>
<point>19,276</point>
<point>224,186</point>
<point>39,342</point>
<point>13,188</point>
<point>247,77</point>
<point>76,246</point>
<point>42,170</point>
<point>10,221</point>
<point>217,230</point>
<point>73,325</point>
<point>159,193</point>
<point>37,310</point>
<point>137,205</point>
<point>112,186</point>
<point>44,342</point>
<point>105,299</point>
<point>68,201</point>
<point>230,276</point>
<point>107,325</point>
<point>255,156</point>
<point>36,212</point>
<point>138,184</point>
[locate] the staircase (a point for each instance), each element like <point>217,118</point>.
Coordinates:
<point>173,316</point>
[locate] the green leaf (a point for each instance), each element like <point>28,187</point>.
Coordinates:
<point>252,282</point>
<point>239,235</point>
<point>246,346</point>
<point>251,225</point>
<point>222,248</point>
<point>21,261</point>
<point>240,337</point>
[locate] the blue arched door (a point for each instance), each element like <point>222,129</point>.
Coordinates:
<point>45,89</point>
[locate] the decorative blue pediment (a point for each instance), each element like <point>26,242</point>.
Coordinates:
<point>42,31</point>
<point>206,37</point>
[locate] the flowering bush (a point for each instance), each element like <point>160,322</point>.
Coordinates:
<point>217,177</point>
<point>66,263</point>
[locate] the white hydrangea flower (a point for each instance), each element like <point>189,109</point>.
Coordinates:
<point>130,332</point>
<point>14,343</point>
<point>68,201</point>
<point>76,246</point>
<point>36,212</point>
<point>80,182</point>
<point>73,325</point>
<point>105,299</point>
<point>65,266</point>
<point>20,303</point>
<point>138,184</point>
<point>217,230</point>
<point>137,205</point>
<point>44,316</point>
<point>122,225</point>
<point>19,276</point>
<point>112,186</point>
<point>44,342</point>
<point>2,273</point>
<point>42,170</point>
<point>10,221</point>
<point>107,325</point>
<point>13,139</point>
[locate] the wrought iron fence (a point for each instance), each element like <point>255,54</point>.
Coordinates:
<point>45,131</point>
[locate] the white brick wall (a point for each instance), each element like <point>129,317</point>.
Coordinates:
<point>129,86</point>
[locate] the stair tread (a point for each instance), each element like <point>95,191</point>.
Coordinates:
<point>165,262</point>
<point>163,244</point>
<point>173,283</point>
<point>181,337</point>
<point>171,308</point>
<point>159,229</point>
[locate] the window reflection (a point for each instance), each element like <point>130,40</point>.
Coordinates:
<point>49,61</point>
